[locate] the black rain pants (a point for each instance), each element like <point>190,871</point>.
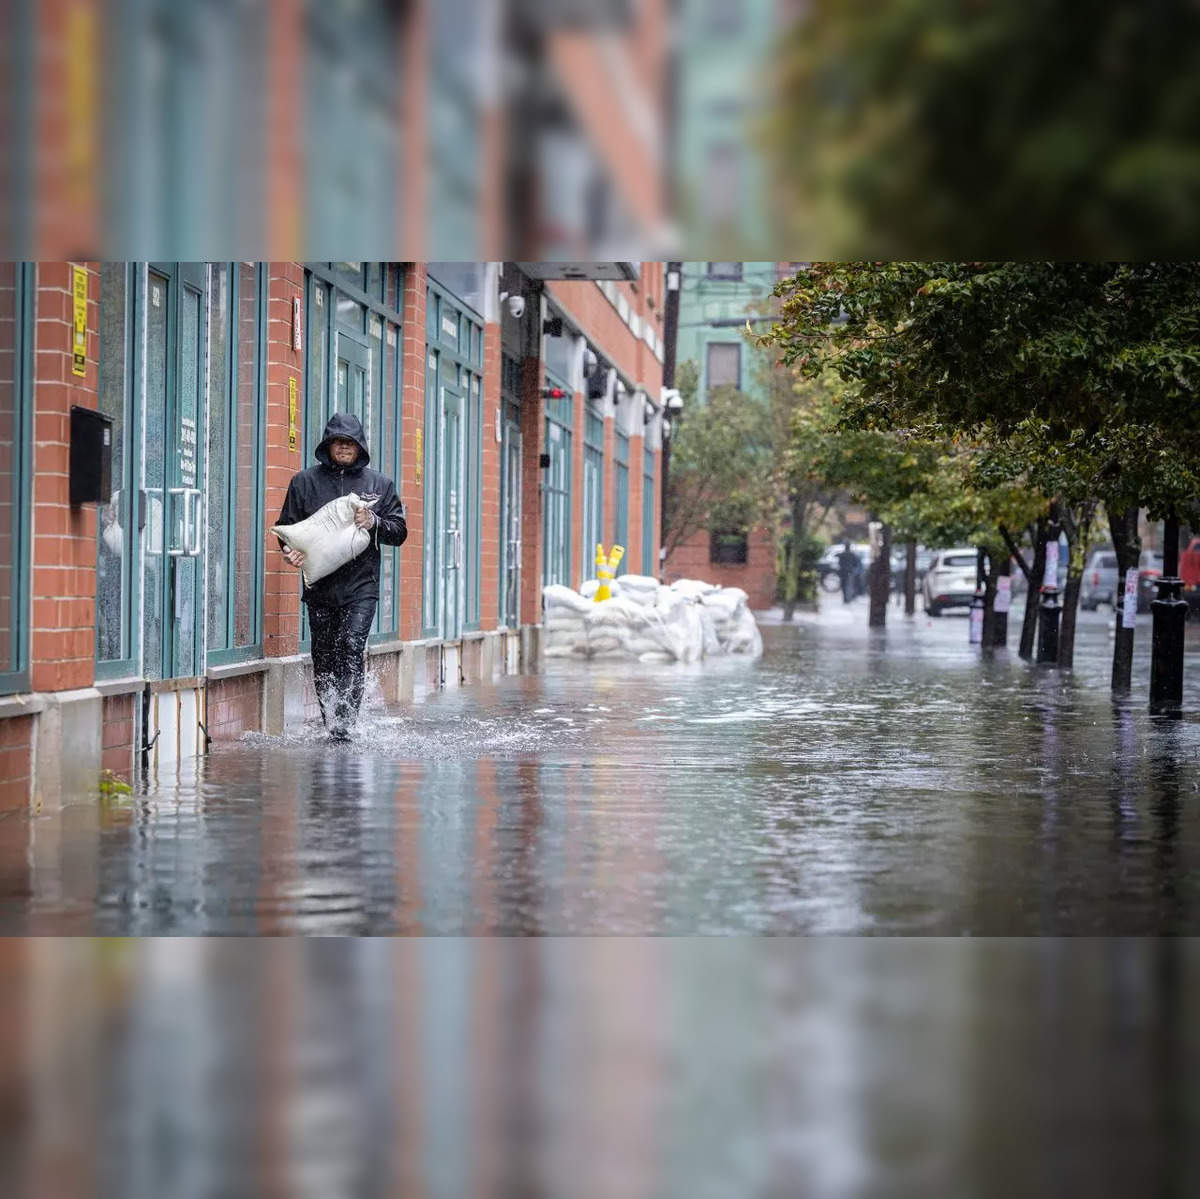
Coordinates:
<point>339,643</point>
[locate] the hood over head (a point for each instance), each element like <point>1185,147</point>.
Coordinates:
<point>344,424</point>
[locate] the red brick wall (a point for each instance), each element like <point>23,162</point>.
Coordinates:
<point>16,762</point>
<point>410,211</point>
<point>234,706</point>
<point>756,578</point>
<point>412,455</point>
<point>489,581</point>
<point>591,310</point>
<point>281,609</point>
<point>117,734</point>
<point>64,538</point>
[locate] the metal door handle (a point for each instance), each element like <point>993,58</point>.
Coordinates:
<point>181,552</point>
<point>458,549</point>
<point>194,540</point>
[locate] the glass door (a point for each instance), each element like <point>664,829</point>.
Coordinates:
<point>353,373</point>
<point>451,500</point>
<point>172,499</point>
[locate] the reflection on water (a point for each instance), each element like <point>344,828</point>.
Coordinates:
<point>608,1068</point>
<point>846,783</point>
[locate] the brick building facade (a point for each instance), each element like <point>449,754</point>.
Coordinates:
<point>141,628</point>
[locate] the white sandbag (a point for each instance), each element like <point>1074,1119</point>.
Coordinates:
<point>560,621</point>
<point>555,595</point>
<point>693,588</point>
<point>746,638</point>
<point>589,589</point>
<point>711,645</point>
<point>329,538</point>
<point>656,656</point>
<point>639,582</point>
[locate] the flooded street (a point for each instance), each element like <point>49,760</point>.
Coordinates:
<point>849,782</point>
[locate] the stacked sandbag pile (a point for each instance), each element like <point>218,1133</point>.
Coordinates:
<point>643,620</point>
<point>565,632</point>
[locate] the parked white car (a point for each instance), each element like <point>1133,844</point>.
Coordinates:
<point>950,580</point>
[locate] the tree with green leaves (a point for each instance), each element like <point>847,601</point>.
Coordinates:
<point>1088,372</point>
<point>720,466</point>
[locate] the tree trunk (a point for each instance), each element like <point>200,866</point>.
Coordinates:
<point>881,580</point>
<point>910,579</point>
<point>1078,540</point>
<point>1123,529</point>
<point>1029,624</point>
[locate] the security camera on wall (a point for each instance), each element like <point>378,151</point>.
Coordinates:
<point>516,307</point>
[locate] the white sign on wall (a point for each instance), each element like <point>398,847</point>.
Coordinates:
<point>1050,575</point>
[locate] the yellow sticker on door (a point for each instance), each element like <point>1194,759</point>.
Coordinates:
<point>79,288</point>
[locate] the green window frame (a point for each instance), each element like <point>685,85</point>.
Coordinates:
<point>649,566</point>
<point>593,491</point>
<point>378,289</point>
<point>621,488</point>
<point>14,664</point>
<point>241,430</point>
<point>453,354</point>
<point>125,663</point>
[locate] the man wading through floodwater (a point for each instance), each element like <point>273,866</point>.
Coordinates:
<point>341,606</point>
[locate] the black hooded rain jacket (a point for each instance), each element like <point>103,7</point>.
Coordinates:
<point>313,488</point>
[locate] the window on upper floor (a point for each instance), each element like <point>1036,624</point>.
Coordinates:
<point>724,363</point>
<point>725,270</point>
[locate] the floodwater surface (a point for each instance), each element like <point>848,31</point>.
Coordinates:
<point>849,782</point>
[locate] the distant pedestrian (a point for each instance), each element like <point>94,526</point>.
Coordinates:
<point>849,572</point>
<point>341,606</point>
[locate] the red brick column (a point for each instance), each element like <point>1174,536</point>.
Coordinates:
<point>637,449</point>
<point>533,445</point>
<point>281,610</point>
<point>412,450</point>
<point>63,647</point>
<point>489,540</point>
<point>580,425</point>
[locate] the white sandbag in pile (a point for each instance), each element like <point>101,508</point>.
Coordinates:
<point>641,588</point>
<point>563,629</point>
<point>693,588</point>
<point>745,638</point>
<point>329,538</point>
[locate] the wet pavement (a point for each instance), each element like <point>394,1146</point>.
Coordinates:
<point>849,782</point>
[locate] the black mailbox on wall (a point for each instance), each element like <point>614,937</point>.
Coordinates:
<point>91,456</point>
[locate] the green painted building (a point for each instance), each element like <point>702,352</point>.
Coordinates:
<point>715,299</point>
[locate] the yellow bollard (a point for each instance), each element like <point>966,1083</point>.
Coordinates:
<point>605,569</point>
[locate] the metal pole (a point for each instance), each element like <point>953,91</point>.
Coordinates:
<point>1049,608</point>
<point>674,282</point>
<point>1170,613</point>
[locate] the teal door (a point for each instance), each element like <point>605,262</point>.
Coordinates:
<point>353,373</point>
<point>173,507</point>
<point>451,503</point>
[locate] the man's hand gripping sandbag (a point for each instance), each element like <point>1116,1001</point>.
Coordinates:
<point>329,538</point>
